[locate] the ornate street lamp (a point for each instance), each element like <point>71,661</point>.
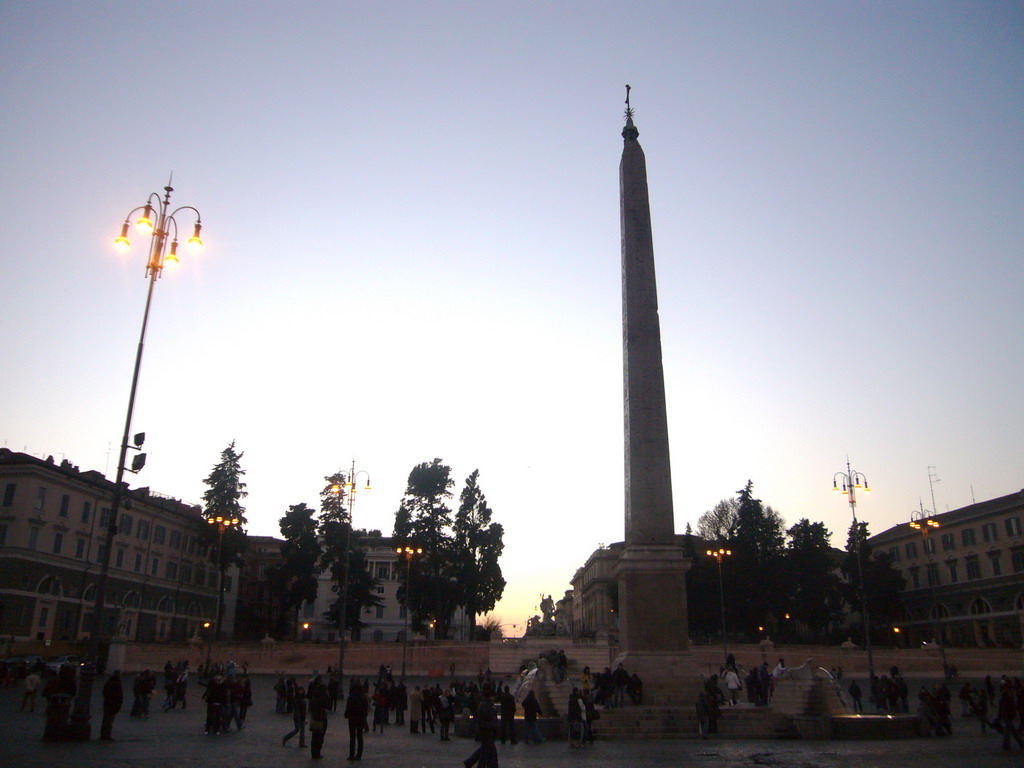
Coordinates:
<point>408,553</point>
<point>852,481</point>
<point>339,491</point>
<point>163,233</point>
<point>223,524</point>
<point>719,555</point>
<point>921,520</point>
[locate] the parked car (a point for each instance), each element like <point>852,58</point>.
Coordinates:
<point>54,663</point>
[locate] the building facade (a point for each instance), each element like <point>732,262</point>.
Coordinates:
<point>53,518</point>
<point>384,623</point>
<point>964,575</point>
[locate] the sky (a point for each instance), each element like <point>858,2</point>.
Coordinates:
<point>411,220</point>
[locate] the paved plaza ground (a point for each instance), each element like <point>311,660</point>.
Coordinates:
<point>176,740</point>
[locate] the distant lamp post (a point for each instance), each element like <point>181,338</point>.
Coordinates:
<point>853,481</point>
<point>921,520</point>
<point>223,524</point>
<point>166,227</point>
<point>305,631</point>
<point>408,553</point>
<point>720,554</point>
<point>339,491</point>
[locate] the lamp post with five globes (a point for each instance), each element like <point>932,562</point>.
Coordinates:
<point>852,481</point>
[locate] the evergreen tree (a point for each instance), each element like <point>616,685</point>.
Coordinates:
<point>882,582</point>
<point>477,547</point>
<point>429,588</point>
<point>301,554</point>
<point>812,586</point>
<point>223,503</point>
<point>755,568</point>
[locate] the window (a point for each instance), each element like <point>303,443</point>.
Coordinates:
<point>172,570</point>
<point>929,546</point>
<point>9,490</point>
<point>58,542</point>
<point>190,544</point>
<point>948,542</point>
<point>154,566</point>
<point>953,576</point>
<point>86,511</point>
<point>3,534</point>
<point>383,572</point>
<point>40,498</point>
<point>143,531</point>
<point>915,578</point>
<point>894,553</point>
<point>200,576</point>
<point>186,572</point>
<point>33,537</point>
<point>911,549</point>
<point>967,537</point>
<point>65,502</point>
<point>138,562</point>
<point>159,534</point>
<point>176,539</point>
<point>1017,558</point>
<point>1013,526</point>
<point>105,515</point>
<point>80,549</point>
<point>380,611</point>
<point>126,524</point>
<point>997,569</point>
<point>44,614</point>
<point>101,552</point>
<point>119,561</point>
<point>933,574</point>
<point>988,532</point>
<point>973,567</point>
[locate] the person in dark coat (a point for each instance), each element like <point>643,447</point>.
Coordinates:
<point>113,699</point>
<point>357,707</point>
<point>507,703</point>
<point>319,705</point>
<point>298,719</point>
<point>486,726</point>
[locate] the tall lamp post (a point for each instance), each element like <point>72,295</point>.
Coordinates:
<point>719,555</point>
<point>339,491</point>
<point>407,552</point>
<point>921,520</point>
<point>166,228</point>
<point>223,524</point>
<point>852,481</point>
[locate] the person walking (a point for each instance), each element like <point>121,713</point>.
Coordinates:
<point>319,704</point>
<point>486,755</point>
<point>415,709</point>
<point>575,719</point>
<point>31,686</point>
<point>298,718</point>
<point>356,710</point>
<point>113,699</point>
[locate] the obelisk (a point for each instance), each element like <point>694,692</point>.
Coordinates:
<point>651,572</point>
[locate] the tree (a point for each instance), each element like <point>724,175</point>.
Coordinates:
<point>755,570</point>
<point>812,588</point>
<point>423,520</point>
<point>489,628</point>
<point>223,499</point>
<point>342,556</point>
<point>882,582</point>
<point>477,547</point>
<point>300,553</point>
<point>719,523</point>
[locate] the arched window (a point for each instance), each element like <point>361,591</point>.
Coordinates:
<point>979,606</point>
<point>132,600</point>
<point>939,611</point>
<point>90,593</point>
<point>165,605</point>
<point>50,585</point>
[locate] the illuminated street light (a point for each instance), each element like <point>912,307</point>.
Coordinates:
<point>166,227</point>
<point>921,520</point>
<point>719,555</point>
<point>407,552</point>
<point>852,482</point>
<point>339,491</point>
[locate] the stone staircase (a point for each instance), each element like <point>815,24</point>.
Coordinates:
<point>680,722</point>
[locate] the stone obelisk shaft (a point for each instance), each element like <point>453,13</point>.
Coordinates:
<point>649,516</point>
<point>651,572</point>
